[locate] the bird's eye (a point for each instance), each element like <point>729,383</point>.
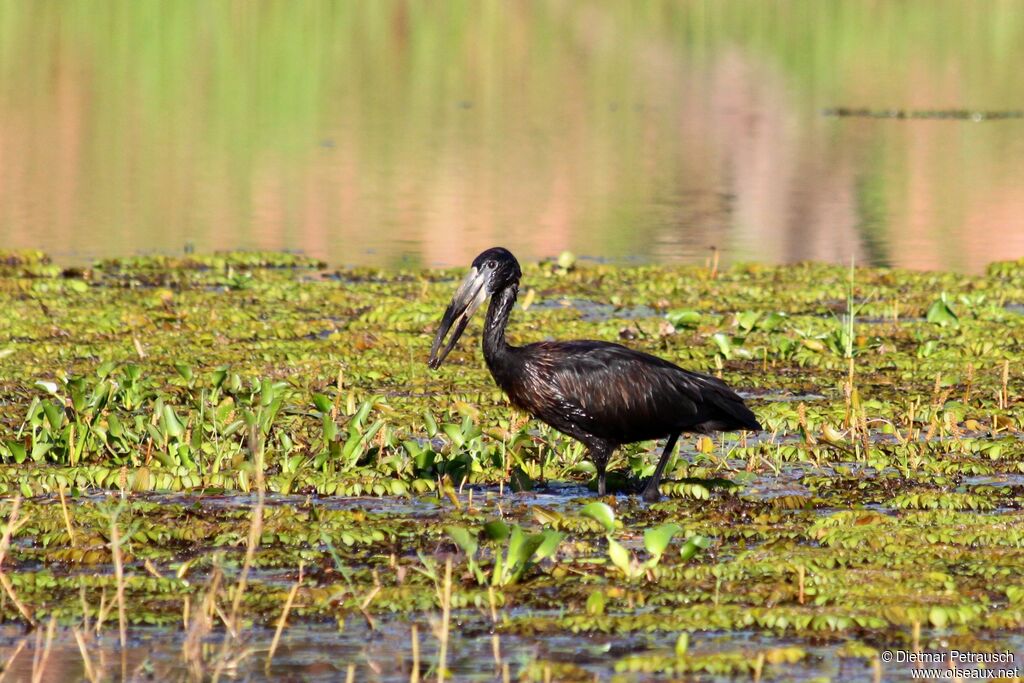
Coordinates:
<point>492,264</point>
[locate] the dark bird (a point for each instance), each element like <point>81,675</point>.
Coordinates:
<point>600,393</point>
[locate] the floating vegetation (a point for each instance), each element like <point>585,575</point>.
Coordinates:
<point>954,114</point>
<point>246,454</point>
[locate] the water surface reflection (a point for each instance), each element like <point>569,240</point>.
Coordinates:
<point>397,131</point>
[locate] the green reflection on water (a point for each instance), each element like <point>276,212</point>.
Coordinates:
<point>374,132</point>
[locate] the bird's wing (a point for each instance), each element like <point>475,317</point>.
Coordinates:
<point>626,395</point>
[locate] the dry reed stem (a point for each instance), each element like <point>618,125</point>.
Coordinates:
<point>148,566</point>
<point>138,347</point>
<point>283,619</point>
<point>233,621</point>
<point>90,671</point>
<point>414,675</point>
<point>9,589</point>
<point>200,625</point>
<point>13,525</point>
<point>1004,394</point>
<point>446,612</point>
<point>11,528</point>
<point>122,612</point>
<point>42,654</point>
<point>226,620</point>
<point>10,660</point>
<point>103,611</point>
<point>255,531</point>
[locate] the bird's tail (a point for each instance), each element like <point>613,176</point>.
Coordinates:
<point>730,413</point>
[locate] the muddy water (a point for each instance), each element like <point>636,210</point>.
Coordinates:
<point>384,654</point>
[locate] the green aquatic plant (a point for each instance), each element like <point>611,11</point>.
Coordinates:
<point>901,524</point>
<point>941,313</point>
<point>521,550</point>
<point>656,541</point>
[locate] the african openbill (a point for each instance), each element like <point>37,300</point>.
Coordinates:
<point>600,393</point>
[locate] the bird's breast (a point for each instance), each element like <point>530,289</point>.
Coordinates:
<point>525,386</point>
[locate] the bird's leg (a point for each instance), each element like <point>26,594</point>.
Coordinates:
<point>650,492</point>
<point>599,456</point>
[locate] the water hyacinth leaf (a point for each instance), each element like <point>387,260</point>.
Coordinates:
<point>546,516</point>
<point>927,349</point>
<point>233,428</point>
<point>322,403</point>
<point>620,557</point>
<point>430,424</point>
<point>225,408</point>
<point>693,545</point>
<point>454,433</point>
<point>747,320</point>
<point>330,428</point>
<point>549,544</point>
<point>682,644</point>
<point>40,449</point>
<point>76,388</point>
<point>658,538</point>
<point>585,467</point>
<point>364,411</point>
<point>723,343</point>
<point>172,426</point>
<point>217,377</point>
<point>521,548</point>
<point>596,603</point>
<point>99,397</point>
<point>772,321</point>
<point>184,370</point>
<point>268,391</point>
<point>17,451</point>
<point>602,513</point>
<point>683,318</point>
<point>942,314</point>
<point>938,617</point>
<point>114,426</point>
<point>463,538</point>
<point>496,530</point>
<point>104,369</point>
<point>54,414</point>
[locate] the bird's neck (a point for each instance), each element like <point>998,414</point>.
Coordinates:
<point>496,349</point>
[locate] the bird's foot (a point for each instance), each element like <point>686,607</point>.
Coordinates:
<point>637,486</point>
<point>615,482</point>
<point>651,494</point>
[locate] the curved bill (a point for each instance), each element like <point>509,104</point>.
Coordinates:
<point>469,296</point>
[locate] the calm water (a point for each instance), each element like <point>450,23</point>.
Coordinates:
<point>393,132</point>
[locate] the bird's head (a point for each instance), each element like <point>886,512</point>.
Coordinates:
<point>491,272</point>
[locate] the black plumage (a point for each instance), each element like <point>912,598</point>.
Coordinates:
<point>600,393</point>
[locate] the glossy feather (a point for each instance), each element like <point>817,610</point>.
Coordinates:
<point>601,393</point>
<point>610,392</point>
